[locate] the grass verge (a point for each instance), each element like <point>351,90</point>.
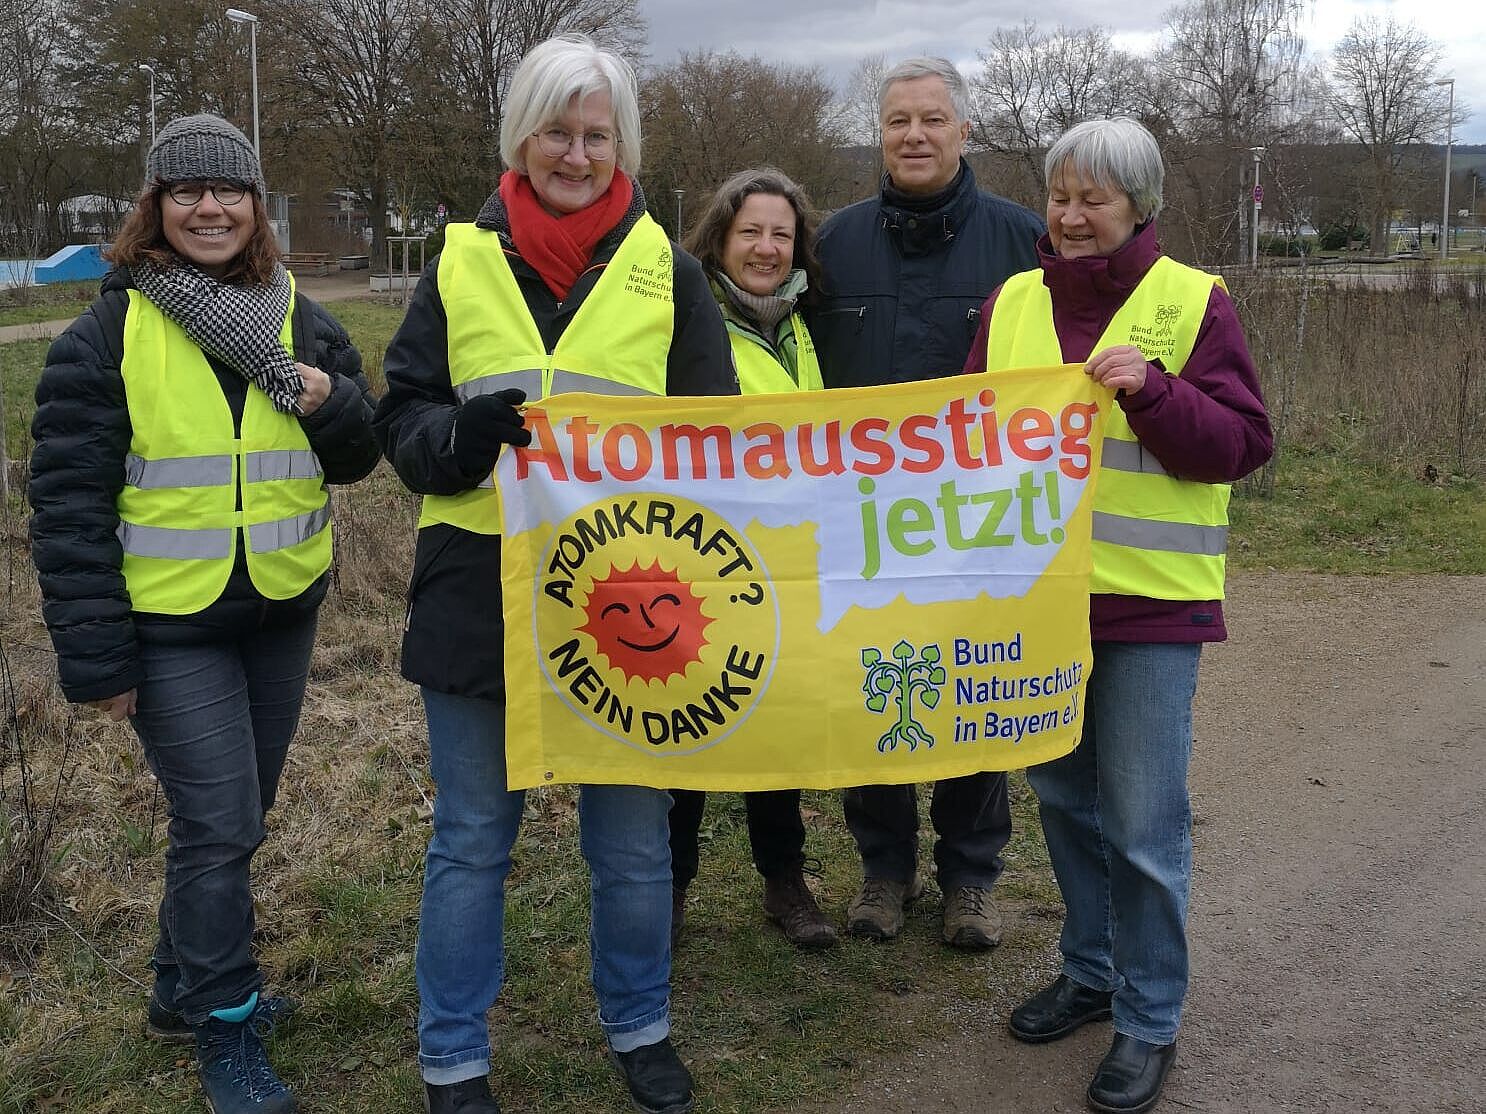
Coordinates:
<point>52,302</point>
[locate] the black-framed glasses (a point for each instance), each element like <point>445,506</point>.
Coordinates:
<point>189,193</point>
<point>557,142</point>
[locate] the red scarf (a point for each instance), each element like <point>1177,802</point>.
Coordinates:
<point>559,247</point>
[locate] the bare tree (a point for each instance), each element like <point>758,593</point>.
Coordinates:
<point>712,114</point>
<point>1228,81</point>
<point>861,117</point>
<point>39,151</point>
<point>353,61</point>
<point>1381,92</point>
<point>460,85</point>
<point>1035,85</point>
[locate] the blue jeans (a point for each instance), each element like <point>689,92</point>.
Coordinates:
<point>1119,830</point>
<point>215,720</point>
<point>461,951</point>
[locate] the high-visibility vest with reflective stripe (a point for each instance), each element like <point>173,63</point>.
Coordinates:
<point>179,520</point>
<point>616,344</point>
<point>1155,535</point>
<point>759,373</point>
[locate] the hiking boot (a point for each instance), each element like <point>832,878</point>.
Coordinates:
<point>657,1079</point>
<point>165,1025</point>
<point>790,904</point>
<point>971,920</point>
<point>234,1070</point>
<point>877,912</point>
<point>468,1096</point>
<point>678,914</point>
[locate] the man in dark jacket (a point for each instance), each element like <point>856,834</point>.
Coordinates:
<point>906,273</point>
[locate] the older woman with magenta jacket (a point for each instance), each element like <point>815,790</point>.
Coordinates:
<point>186,426</point>
<point>531,300</point>
<point>756,241</point>
<point>1189,421</point>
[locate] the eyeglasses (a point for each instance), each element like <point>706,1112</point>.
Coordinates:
<point>190,193</point>
<point>557,142</point>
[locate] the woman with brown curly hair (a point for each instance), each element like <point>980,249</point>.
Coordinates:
<point>756,241</point>
<point>186,426</point>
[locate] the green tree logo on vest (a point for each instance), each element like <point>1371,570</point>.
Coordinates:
<point>903,678</point>
<point>1167,313</point>
<point>656,622</point>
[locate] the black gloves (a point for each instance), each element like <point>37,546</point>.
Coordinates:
<point>483,425</point>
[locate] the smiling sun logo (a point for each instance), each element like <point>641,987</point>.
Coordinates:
<point>646,622</point>
<point>656,622</point>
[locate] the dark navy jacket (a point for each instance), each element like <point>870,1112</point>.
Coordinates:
<point>904,289</point>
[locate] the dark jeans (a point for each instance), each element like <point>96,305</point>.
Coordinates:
<point>775,832</point>
<point>215,720</point>
<point>971,815</point>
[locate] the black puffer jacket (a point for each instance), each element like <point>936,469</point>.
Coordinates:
<point>904,282</point>
<point>82,434</point>
<point>452,641</point>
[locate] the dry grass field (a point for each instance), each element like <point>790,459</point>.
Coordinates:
<point>1380,400</point>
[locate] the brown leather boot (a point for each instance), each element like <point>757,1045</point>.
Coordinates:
<point>790,904</point>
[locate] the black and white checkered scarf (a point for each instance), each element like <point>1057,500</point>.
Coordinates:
<point>239,325</point>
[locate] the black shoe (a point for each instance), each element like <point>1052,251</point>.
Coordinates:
<point>657,1079</point>
<point>1057,1010</point>
<point>469,1096</point>
<point>678,914</point>
<point>1129,1078</point>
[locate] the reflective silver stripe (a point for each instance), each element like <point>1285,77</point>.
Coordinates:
<point>529,380</point>
<point>566,382</point>
<point>282,464</point>
<point>488,481</point>
<point>1170,537</point>
<point>1128,456</point>
<point>177,471</point>
<point>265,537</point>
<point>177,545</point>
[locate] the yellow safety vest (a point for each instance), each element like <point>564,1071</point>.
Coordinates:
<point>617,343</point>
<point>1155,534</point>
<point>179,520</point>
<point>760,373</point>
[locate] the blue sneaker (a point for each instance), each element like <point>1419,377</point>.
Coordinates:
<point>235,1072</point>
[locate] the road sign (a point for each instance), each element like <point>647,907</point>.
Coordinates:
<point>1258,194</point>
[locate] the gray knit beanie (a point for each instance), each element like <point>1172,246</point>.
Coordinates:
<point>201,148</point>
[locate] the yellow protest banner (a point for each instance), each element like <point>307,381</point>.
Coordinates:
<point>810,590</point>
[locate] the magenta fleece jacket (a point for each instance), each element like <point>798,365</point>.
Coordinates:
<point>1207,424</point>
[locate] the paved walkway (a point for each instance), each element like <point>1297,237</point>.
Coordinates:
<point>338,286</point>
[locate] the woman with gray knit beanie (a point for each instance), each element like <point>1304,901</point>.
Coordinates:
<point>756,241</point>
<point>186,427</point>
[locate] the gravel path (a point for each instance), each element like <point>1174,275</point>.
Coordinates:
<point>1338,956</point>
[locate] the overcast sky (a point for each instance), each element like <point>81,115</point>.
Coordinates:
<point>835,34</point>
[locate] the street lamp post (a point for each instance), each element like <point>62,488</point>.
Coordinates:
<point>1258,196</point>
<point>237,15</point>
<point>678,193</point>
<point>1449,140</point>
<point>144,68</point>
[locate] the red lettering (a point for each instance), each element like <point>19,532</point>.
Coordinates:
<point>988,432</point>
<point>880,450</point>
<point>1076,421</point>
<point>833,464</point>
<point>543,447</point>
<point>1027,425</point>
<point>913,434</point>
<point>642,452</point>
<point>717,438</point>
<point>581,429</point>
<point>771,449</point>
